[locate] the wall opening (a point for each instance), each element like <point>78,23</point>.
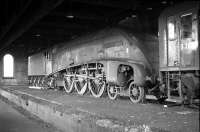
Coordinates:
<point>8,66</point>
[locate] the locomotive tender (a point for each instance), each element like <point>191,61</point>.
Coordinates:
<point>179,50</point>
<point>118,62</point>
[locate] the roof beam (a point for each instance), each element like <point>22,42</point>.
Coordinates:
<point>42,8</point>
<point>68,25</point>
<point>79,15</point>
<point>14,18</point>
<point>110,3</point>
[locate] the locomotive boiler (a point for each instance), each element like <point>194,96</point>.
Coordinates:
<point>115,61</point>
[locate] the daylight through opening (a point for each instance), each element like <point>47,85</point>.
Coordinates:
<point>8,62</point>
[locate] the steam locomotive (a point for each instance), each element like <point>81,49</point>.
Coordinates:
<point>120,62</point>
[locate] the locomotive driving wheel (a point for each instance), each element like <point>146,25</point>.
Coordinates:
<point>81,85</point>
<point>97,87</point>
<point>112,91</point>
<point>68,83</point>
<point>136,93</point>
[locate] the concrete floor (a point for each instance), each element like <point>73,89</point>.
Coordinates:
<point>173,119</point>
<point>12,120</point>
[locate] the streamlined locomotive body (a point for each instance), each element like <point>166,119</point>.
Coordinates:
<point>111,60</point>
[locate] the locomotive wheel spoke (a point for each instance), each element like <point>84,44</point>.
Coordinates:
<point>136,93</point>
<point>97,87</point>
<point>81,85</point>
<point>68,83</point>
<point>112,92</point>
<point>34,81</point>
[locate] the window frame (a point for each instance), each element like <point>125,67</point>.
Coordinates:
<point>6,77</point>
<point>173,21</point>
<point>184,15</point>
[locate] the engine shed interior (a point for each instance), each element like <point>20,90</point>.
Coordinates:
<point>38,29</point>
<point>101,65</point>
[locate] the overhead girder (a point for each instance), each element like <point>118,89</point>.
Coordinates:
<point>14,18</point>
<point>79,15</point>
<point>67,25</point>
<point>28,18</point>
<point>110,3</point>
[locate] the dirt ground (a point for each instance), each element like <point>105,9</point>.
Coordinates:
<point>166,117</point>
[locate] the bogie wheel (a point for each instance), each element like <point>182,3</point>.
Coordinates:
<point>97,87</point>
<point>136,93</point>
<point>34,81</point>
<point>68,83</point>
<point>112,91</point>
<point>81,85</point>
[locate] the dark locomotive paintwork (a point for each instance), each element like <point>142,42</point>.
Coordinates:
<point>109,43</point>
<point>110,48</point>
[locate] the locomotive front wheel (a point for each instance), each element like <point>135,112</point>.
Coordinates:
<point>81,85</point>
<point>112,92</point>
<point>97,87</point>
<point>136,93</point>
<point>68,83</point>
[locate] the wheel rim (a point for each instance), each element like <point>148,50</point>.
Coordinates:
<point>81,86</point>
<point>97,87</point>
<point>136,93</point>
<point>68,83</point>
<point>112,92</point>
